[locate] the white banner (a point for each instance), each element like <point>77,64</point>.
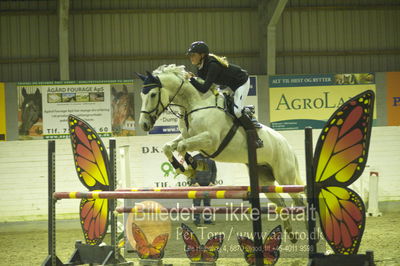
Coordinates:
<point>91,102</point>
<point>150,167</point>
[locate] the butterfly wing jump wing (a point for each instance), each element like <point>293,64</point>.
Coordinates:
<point>192,245</point>
<point>90,155</point>
<point>210,253</point>
<point>271,246</point>
<point>91,163</point>
<point>340,158</point>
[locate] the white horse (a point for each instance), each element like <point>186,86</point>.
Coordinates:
<point>204,125</point>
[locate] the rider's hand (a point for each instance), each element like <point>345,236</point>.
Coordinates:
<point>196,184</point>
<point>211,184</point>
<point>189,75</point>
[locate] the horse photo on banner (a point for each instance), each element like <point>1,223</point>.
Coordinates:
<point>122,108</point>
<point>30,113</point>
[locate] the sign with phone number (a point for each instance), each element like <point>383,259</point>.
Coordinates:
<point>90,102</point>
<point>53,133</point>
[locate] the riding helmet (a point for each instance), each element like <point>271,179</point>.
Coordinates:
<point>199,47</point>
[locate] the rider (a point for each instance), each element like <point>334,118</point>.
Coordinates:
<point>215,69</point>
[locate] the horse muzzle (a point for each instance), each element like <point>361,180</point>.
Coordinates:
<point>146,122</point>
<point>145,126</point>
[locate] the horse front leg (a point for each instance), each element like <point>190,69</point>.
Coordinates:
<point>170,147</point>
<point>202,141</point>
<point>168,150</point>
<point>195,143</point>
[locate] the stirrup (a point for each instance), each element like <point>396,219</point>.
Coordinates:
<point>256,123</point>
<point>259,143</point>
<point>249,110</point>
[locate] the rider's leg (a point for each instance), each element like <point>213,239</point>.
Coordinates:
<point>239,98</point>
<point>196,203</point>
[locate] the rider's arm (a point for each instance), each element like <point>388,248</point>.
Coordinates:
<point>214,70</point>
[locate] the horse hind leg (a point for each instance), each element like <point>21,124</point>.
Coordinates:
<point>290,175</point>
<point>266,178</point>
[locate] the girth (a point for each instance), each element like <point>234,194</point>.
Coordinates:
<point>225,141</point>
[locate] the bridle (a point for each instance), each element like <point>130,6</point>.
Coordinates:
<point>153,118</point>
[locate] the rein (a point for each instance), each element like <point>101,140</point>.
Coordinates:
<point>186,115</point>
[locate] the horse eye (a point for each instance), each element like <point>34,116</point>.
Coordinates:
<point>153,95</point>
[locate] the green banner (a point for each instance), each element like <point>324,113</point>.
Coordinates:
<point>309,100</point>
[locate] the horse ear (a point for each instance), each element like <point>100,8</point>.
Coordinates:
<point>154,79</point>
<point>113,91</point>
<point>24,92</point>
<point>37,92</point>
<point>149,74</point>
<point>142,77</point>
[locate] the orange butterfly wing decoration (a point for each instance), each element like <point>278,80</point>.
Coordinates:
<point>92,167</point>
<point>270,248</point>
<point>209,252</point>
<point>340,158</point>
<point>146,250</point>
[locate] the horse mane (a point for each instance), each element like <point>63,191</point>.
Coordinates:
<point>172,68</point>
<point>179,71</point>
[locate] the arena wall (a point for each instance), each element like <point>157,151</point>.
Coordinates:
<point>23,167</point>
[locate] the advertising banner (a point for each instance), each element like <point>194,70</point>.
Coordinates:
<point>87,101</point>
<point>44,107</point>
<point>167,123</point>
<point>393,98</point>
<point>309,100</point>
<point>2,113</point>
<point>152,169</point>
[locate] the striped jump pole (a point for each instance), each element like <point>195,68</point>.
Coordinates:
<point>217,210</point>
<point>221,194</point>
<point>262,189</point>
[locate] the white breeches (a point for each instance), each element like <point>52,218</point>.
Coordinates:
<point>240,96</point>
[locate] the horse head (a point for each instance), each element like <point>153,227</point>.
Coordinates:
<point>154,101</point>
<point>167,85</point>
<point>31,110</point>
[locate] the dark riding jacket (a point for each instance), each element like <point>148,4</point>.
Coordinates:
<point>213,71</point>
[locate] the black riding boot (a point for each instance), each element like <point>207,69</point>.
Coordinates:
<point>246,122</point>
